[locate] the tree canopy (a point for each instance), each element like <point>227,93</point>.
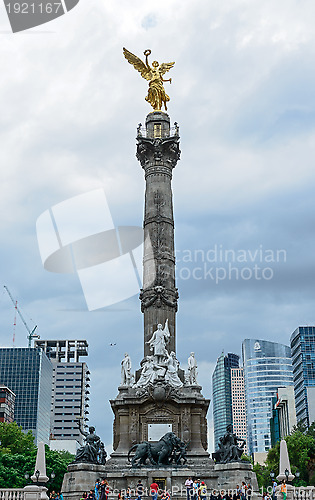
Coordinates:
<point>18,457</point>
<point>301,449</point>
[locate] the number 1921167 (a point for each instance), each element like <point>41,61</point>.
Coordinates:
<point>32,8</point>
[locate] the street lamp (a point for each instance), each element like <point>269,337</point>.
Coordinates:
<point>27,476</point>
<point>272,474</point>
<point>52,475</point>
<point>287,473</point>
<point>297,474</point>
<point>37,474</point>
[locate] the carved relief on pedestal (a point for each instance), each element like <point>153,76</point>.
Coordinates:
<point>134,425</point>
<point>186,424</point>
<point>204,430</point>
<point>115,434</point>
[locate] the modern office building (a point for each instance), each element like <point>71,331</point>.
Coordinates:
<point>28,373</point>
<point>274,422</point>
<point>221,394</point>
<point>70,391</point>
<point>7,402</point>
<point>283,414</point>
<point>238,404</point>
<point>303,361</point>
<point>267,366</point>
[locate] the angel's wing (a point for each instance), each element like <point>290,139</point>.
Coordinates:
<point>164,67</point>
<point>138,64</point>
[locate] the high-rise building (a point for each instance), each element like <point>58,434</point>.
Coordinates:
<point>222,395</point>
<point>267,366</point>
<point>70,391</point>
<point>7,401</point>
<point>238,404</point>
<point>28,372</point>
<point>303,361</point>
<point>283,414</point>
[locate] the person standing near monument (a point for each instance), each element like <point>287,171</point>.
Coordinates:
<point>274,485</point>
<point>243,491</point>
<point>283,489</point>
<point>154,488</point>
<point>203,491</point>
<point>139,490</point>
<point>249,491</point>
<point>188,483</point>
<point>195,487</point>
<point>165,495</point>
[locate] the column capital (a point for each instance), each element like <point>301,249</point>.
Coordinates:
<point>158,155</point>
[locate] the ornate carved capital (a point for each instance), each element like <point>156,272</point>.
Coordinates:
<point>158,296</point>
<point>160,152</point>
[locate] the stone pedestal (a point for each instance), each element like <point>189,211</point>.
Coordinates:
<point>34,492</point>
<point>184,410</point>
<point>80,478</point>
<point>232,474</point>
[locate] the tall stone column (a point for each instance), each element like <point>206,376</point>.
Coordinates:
<point>158,152</point>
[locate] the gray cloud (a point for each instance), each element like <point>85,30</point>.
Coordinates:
<point>242,92</point>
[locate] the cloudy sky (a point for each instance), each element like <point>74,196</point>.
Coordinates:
<point>243,93</point>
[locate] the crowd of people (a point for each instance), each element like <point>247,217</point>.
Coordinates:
<point>196,489</point>
<point>100,491</point>
<point>55,496</point>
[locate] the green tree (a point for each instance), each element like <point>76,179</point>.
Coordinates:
<point>57,461</point>
<point>18,457</point>
<point>301,449</point>
<point>14,440</point>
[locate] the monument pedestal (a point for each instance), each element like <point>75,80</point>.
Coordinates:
<point>146,414</point>
<point>80,478</point>
<point>233,473</point>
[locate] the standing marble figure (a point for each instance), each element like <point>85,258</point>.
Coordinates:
<point>126,370</point>
<point>159,340</point>
<point>192,369</point>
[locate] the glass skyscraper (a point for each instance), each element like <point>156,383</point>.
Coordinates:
<point>28,373</point>
<point>267,366</point>
<point>221,394</point>
<point>303,361</point>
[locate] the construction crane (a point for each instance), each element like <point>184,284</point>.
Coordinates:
<point>31,334</point>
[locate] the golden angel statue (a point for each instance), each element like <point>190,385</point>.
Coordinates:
<point>156,94</point>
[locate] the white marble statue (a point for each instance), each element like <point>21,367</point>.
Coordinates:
<point>192,369</point>
<point>171,375</point>
<point>159,340</point>
<point>125,370</point>
<point>148,374</point>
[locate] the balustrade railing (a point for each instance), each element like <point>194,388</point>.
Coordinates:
<point>304,493</point>
<point>174,132</point>
<point>11,494</point>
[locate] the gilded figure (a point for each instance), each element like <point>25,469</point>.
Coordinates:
<point>154,74</point>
